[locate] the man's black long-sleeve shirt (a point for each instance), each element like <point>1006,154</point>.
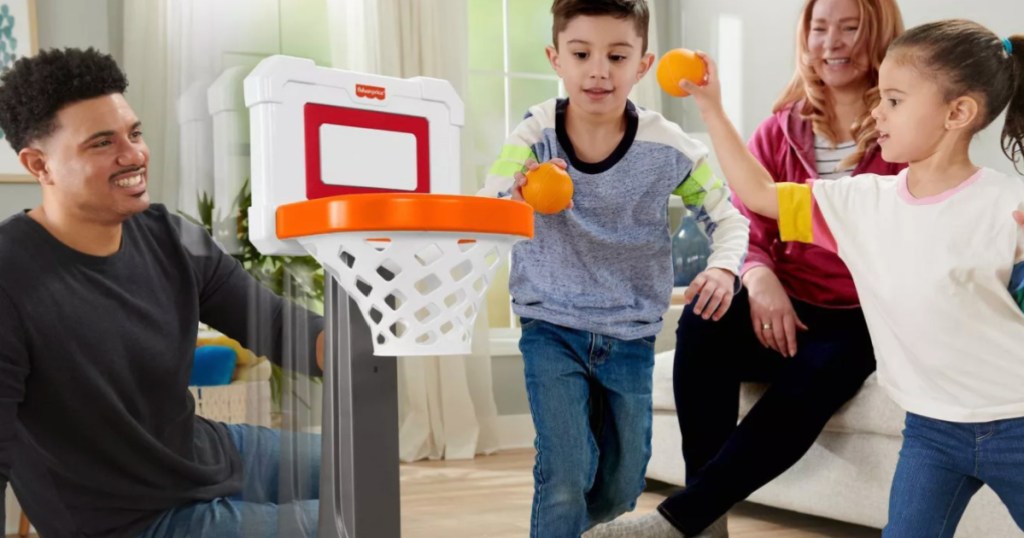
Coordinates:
<point>98,432</point>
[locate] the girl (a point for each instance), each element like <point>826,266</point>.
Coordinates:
<point>932,251</point>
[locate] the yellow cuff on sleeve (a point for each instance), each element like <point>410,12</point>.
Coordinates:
<point>795,206</point>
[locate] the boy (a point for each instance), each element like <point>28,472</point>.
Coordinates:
<point>591,287</point>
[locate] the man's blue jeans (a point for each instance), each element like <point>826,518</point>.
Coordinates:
<point>943,464</point>
<point>262,509</point>
<point>590,396</point>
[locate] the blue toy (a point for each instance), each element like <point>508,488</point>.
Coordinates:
<point>213,365</point>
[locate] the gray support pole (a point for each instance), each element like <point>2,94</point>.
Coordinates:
<point>359,490</point>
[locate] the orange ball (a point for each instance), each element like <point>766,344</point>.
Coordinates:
<point>548,189</point>
<point>679,64</point>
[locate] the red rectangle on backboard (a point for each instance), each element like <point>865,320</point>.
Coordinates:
<point>317,115</point>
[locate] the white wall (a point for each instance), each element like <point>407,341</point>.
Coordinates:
<point>15,197</point>
<point>93,23</point>
<point>769,45</point>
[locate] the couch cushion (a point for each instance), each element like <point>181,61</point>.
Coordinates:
<point>871,411</point>
<point>663,398</point>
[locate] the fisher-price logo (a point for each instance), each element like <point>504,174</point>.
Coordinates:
<point>371,92</point>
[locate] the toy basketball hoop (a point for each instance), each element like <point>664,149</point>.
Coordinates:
<point>362,171</point>
<point>418,265</point>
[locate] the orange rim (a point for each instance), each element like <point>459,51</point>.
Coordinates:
<point>404,212</point>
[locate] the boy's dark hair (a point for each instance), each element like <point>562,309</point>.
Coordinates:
<point>967,58</point>
<point>37,87</point>
<point>567,10</point>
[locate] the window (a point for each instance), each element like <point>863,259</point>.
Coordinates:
<point>508,72</point>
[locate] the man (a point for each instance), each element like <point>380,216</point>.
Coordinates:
<point>101,294</point>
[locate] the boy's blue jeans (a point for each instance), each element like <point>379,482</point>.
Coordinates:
<point>262,509</point>
<point>590,396</point>
<point>943,464</point>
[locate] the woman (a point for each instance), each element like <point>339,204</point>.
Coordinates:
<point>797,325</point>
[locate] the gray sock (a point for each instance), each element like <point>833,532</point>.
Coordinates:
<point>718,529</point>
<point>652,525</point>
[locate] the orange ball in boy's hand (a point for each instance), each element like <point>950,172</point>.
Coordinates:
<point>548,189</point>
<point>679,64</point>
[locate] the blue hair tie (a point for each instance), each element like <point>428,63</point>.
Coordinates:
<point>1008,45</point>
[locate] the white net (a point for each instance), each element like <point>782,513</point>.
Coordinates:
<point>418,291</point>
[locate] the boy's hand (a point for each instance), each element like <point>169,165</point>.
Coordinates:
<point>708,94</point>
<point>714,290</point>
<point>531,165</point>
<point>1019,217</point>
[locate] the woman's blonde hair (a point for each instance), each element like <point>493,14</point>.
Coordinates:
<point>880,23</point>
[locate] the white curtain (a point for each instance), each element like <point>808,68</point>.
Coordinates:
<point>173,55</point>
<point>446,404</point>
<point>150,62</point>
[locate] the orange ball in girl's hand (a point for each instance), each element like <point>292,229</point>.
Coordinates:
<point>548,189</point>
<point>679,64</point>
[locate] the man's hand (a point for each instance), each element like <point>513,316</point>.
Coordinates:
<point>771,312</point>
<point>320,350</point>
<point>1019,217</point>
<point>713,289</point>
<point>531,165</point>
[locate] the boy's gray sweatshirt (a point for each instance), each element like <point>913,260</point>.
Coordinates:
<point>605,265</point>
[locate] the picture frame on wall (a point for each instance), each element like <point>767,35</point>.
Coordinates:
<point>18,38</point>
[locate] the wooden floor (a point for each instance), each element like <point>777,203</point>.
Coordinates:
<point>490,497</point>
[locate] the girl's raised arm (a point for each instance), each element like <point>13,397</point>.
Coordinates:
<point>751,182</point>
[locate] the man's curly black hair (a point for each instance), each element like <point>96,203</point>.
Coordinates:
<point>37,87</point>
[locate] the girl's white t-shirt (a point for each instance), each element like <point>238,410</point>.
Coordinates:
<point>933,275</point>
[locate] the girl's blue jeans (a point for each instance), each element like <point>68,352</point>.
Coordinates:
<point>943,464</point>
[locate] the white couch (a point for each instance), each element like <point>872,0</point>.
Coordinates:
<point>847,472</point>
